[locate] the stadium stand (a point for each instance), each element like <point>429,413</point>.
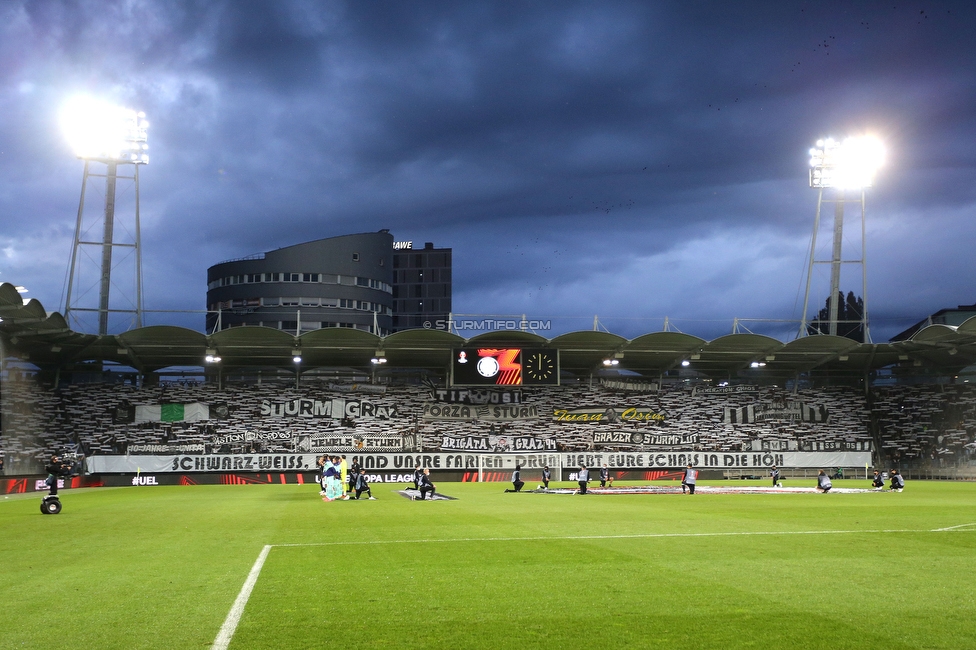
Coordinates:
<point>925,425</point>
<point>85,417</point>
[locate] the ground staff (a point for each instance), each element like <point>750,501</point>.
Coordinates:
<point>688,479</point>
<point>516,479</point>
<point>584,476</point>
<point>823,482</point>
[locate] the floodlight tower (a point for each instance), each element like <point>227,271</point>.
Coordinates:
<point>841,168</point>
<point>112,136</point>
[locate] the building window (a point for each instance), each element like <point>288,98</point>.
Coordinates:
<point>355,257</point>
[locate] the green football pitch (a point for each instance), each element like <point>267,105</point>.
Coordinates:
<point>162,567</point>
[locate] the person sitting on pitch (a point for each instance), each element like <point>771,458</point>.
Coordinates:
<point>897,481</point>
<point>823,482</point>
<point>878,482</point>
<point>426,486</point>
<point>362,485</point>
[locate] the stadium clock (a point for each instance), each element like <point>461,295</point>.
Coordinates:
<point>540,367</point>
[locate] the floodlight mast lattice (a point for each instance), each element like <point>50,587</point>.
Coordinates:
<point>111,135</point>
<point>841,168</point>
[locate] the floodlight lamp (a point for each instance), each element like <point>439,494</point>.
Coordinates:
<point>297,358</point>
<point>851,164</point>
<point>377,360</point>
<point>98,130</point>
<point>685,363</point>
<point>611,362</point>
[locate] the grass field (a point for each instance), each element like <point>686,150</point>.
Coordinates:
<point>160,567</point>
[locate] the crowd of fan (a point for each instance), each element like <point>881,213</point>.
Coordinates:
<point>913,424</point>
<point>927,425</point>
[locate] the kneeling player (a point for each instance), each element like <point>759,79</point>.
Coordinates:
<point>426,485</point>
<point>823,482</point>
<point>362,485</point>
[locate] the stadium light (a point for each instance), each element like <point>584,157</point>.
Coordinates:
<point>212,356</point>
<point>377,360</point>
<point>611,362</point>
<point>845,169</point>
<point>685,363</point>
<point>851,164</point>
<point>102,132</point>
<point>296,355</point>
<point>98,130</point>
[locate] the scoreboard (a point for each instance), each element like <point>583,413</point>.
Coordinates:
<point>504,367</point>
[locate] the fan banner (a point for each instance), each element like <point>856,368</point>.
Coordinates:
<point>642,438</point>
<point>473,461</point>
<point>336,408</point>
<point>501,413</point>
<point>476,396</point>
<point>610,414</point>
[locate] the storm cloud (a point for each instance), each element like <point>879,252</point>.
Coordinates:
<point>630,160</point>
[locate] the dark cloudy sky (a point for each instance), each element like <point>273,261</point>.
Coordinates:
<point>633,160</point>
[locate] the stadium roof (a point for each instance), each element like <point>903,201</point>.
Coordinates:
<point>45,340</point>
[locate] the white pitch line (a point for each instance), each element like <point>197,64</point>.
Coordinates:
<point>942,530</point>
<point>583,537</point>
<point>234,615</point>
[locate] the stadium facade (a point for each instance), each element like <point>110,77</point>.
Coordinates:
<point>421,286</point>
<point>344,281</point>
<point>363,281</point>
